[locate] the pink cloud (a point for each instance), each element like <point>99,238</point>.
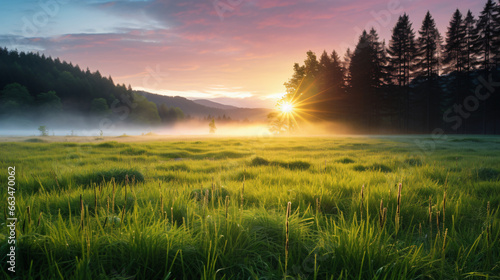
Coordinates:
<point>275,4</point>
<point>253,47</point>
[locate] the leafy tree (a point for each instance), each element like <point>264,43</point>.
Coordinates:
<point>15,98</point>
<point>168,115</point>
<point>211,126</point>
<point>302,84</point>
<point>75,88</point>
<point>280,123</point>
<point>43,130</point>
<point>276,123</point>
<point>294,84</point>
<point>49,102</point>
<point>99,107</point>
<point>303,89</point>
<point>144,111</point>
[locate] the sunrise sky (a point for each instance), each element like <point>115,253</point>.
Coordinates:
<point>237,52</point>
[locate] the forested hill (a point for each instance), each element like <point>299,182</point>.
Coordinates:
<point>187,106</point>
<point>35,87</point>
<point>40,89</point>
<point>205,108</point>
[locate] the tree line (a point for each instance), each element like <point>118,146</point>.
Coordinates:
<point>33,86</point>
<point>417,83</point>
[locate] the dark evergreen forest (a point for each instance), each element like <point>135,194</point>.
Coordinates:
<point>418,82</point>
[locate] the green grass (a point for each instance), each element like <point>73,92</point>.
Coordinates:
<point>215,209</point>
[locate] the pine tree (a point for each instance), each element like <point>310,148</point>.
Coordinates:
<point>428,49</point>
<point>470,55</point>
<point>380,77</point>
<point>325,84</point>
<point>324,66</point>
<point>401,52</point>
<point>361,75</point>
<point>428,67</point>
<point>454,44</point>
<point>312,65</point>
<point>324,61</point>
<point>485,30</point>
<point>346,63</point>
<point>367,78</point>
<point>331,72</point>
<point>337,71</point>
<point>379,58</point>
<point>331,86</point>
<point>496,34</point>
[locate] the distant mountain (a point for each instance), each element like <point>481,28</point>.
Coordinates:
<point>211,104</point>
<point>187,106</point>
<point>203,108</point>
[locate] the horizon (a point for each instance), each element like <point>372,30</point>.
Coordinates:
<point>237,55</point>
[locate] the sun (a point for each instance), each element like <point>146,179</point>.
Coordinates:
<point>286,108</point>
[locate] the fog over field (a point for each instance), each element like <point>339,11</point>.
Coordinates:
<point>76,125</point>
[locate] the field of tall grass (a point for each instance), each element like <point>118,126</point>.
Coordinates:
<point>254,208</point>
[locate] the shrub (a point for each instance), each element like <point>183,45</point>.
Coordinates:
<point>132,151</point>
<point>487,174</point>
<point>295,165</point>
<point>359,167</point>
<point>35,140</point>
<point>258,161</point>
<point>112,144</point>
<point>106,175</point>
<point>381,167</point>
<point>413,161</point>
<point>345,160</point>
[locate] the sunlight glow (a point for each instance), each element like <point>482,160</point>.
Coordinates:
<point>287,108</point>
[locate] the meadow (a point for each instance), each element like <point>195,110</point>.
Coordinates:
<point>254,208</point>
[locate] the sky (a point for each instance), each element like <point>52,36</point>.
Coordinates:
<point>236,52</point>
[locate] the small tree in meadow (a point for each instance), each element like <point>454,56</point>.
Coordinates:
<point>212,126</point>
<point>43,130</point>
